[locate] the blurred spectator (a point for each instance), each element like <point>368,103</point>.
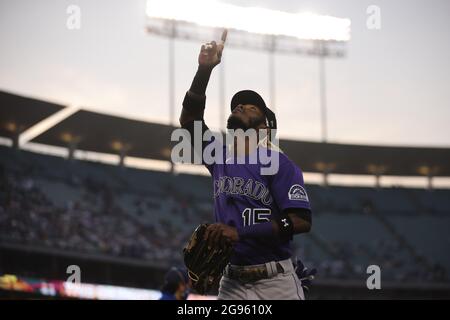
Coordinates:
<point>176,284</point>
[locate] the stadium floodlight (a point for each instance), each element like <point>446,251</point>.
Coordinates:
<point>210,13</point>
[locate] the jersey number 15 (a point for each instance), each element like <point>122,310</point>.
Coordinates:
<point>255,215</point>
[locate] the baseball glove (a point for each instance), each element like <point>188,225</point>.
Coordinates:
<point>205,266</point>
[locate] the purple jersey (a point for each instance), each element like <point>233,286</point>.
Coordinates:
<point>243,196</point>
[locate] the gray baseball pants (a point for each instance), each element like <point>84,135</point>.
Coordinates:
<point>278,286</point>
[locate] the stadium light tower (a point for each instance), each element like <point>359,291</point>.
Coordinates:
<point>250,28</point>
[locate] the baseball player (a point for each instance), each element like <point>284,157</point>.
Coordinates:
<point>176,285</point>
<point>259,214</point>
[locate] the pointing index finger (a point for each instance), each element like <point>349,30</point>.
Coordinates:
<point>224,36</point>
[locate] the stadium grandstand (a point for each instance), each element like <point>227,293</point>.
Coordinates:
<point>112,219</point>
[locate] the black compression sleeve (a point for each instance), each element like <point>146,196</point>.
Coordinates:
<point>201,80</point>
<point>190,127</point>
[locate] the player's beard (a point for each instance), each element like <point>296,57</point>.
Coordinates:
<point>235,122</point>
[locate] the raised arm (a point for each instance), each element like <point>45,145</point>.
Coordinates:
<point>194,101</point>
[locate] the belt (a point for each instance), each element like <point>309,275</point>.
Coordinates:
<point>246,274</point>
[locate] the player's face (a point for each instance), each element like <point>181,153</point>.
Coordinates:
<point>245,116</point>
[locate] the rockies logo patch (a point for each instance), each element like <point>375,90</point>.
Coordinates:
<point>297,192</point>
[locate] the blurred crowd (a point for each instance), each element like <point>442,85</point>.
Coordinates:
<point>95,223</point>
<point>350,261</point>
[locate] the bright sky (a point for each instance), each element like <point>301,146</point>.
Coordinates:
<point>393,87</point>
